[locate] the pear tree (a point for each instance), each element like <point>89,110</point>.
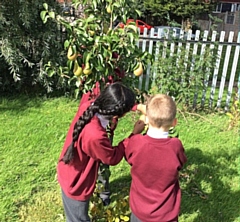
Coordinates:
<point>96,48</point>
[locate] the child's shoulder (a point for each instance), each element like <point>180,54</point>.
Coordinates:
<point>175,140</point>
<point>176,144</point>
<point>139,138</point>
<point>94,128</point>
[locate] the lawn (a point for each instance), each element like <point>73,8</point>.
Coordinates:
<point>32,134</point>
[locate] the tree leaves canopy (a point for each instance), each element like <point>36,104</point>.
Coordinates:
<point>182,8</point>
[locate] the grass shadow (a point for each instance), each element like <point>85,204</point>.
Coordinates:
<point>120,187</point>
<point>207,190</point>
<point>19,103</point>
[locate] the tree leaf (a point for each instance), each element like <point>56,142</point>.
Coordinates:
<point>51,15</point>
<point>43,14</point>
<point>45,6</point>
<point>45,19</point>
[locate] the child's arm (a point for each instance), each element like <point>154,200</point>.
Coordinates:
<point>138,127</point>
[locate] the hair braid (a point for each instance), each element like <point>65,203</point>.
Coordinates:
<point>115,100</point>
<point>78,127</point>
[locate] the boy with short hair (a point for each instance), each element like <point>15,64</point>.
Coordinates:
<point>155,161</point>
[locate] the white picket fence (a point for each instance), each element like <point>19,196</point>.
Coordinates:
<point>229,68</point>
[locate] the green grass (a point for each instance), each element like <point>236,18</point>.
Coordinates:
<point>32,135</point>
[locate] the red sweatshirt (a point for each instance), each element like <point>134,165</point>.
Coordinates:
<point>155,194</point>
<point>93,146</point>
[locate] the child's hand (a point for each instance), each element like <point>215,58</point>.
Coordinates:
<point>138,127</point>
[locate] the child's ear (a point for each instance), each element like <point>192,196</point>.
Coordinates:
<point>174,122</point>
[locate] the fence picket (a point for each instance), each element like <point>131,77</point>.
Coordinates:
<point>150,50</point>
<point>205,36</point>
<point>195,48</point>
<point>179,46</point>
<point>189,36</point>
<point>157,50</point>
<point>225,67</point>
<point>216,69</point>
<point>233,71</point>
<point>144,45</point>
<point>214,35</point>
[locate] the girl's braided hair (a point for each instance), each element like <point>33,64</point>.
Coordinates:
<point>115,100</point>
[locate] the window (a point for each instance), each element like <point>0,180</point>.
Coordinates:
<point>237,7</point>
<point>230,18</point>
<point>226,7</point>
<point>219,7</point>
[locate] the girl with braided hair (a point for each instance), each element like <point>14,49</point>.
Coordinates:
<point>87,145</point>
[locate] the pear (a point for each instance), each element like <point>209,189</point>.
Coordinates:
<point>71,55</point>
<point>91,32</point>
<point>109,9</point>
<point>139,70</point>
<point>87,70</point>
<point>77,70</point>
<point>143,118</point>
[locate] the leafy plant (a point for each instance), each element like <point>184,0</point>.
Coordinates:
<point>98,51</point>
<point>184,8</point>
<point>234,113</point>
<point>25,44</point>
<point>116,212</point>
<point>180,75</point>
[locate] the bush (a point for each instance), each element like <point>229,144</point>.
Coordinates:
<point>181,73</point>
<point>25,45</point>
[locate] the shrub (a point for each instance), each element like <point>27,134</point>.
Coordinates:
<point>25,45</point>
<point>234,112</point>
<point>181,73</point>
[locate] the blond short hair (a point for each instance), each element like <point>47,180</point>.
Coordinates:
<point>161,110</point>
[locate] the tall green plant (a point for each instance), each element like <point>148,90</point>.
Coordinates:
<point>182,73</point>
<point>95,48</point>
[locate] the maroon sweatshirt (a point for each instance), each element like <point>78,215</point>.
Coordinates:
<point>78,179</point>
<point>155,194</point>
